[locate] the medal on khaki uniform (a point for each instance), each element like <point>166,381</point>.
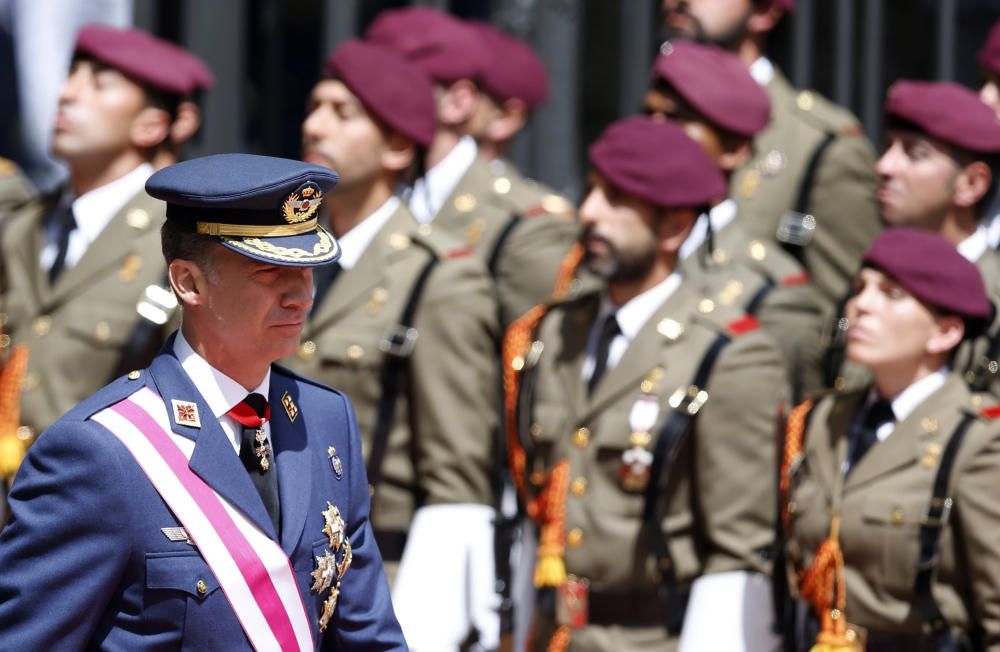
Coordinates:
<point>637,458</point>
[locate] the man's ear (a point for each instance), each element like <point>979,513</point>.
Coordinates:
<point>150,128</point>
<point>457,103</point>
<point>398,153</point>
<point>186,123</point>
<point>763,17</point>
<point>734,154</point>
<point>511,119</point>
<point>188,282</point>
<point>972,184</point>
<point>950,330</point>
<point>673,227</point>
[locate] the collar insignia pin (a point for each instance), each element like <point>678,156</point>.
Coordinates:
<point>291,409</point>
<point>186,413</point>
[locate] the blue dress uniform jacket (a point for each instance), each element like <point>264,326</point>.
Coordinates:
<point>86,565</point>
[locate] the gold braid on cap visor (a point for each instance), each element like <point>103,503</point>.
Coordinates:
<point>255,231</point>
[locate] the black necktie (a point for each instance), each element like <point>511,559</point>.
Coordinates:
<point>609,331</point>
<point>323,278</point>
<point>866,434</point>
<point>256,453</point>
<point>65,225</point>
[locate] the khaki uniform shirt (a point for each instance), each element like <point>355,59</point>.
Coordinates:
<point>440,447</point>
<point>720,493</point>
<point>480,209</point>
<point>76,330</point>
<point>842,198</point>
<point>883,499</point>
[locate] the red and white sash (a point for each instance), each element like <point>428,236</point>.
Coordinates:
<point>254,572</point>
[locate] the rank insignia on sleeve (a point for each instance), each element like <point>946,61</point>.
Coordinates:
<point>185,413</point>
<point>291,409</point>
<point>335,462</point>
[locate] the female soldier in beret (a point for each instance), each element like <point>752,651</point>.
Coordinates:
<point>889,492</point>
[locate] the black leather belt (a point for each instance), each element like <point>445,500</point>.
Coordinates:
<point>390,544</point>
<point>621,606</point>
<point>890,642</point>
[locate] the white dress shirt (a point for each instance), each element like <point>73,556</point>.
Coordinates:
<point>93,210</point>
<point>431,190</point>
<point>719,217</point>
<point>221,392</point>
<point>762,71</point>
<point>973,247</point>
<point>631,318</point>
<point>354,243</point>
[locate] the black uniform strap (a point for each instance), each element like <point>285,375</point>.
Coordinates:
<point>397,345</point>
<point>142,345</point>
<point>983,370</point>
<point>934,520</point>
<point>836,350</point>
<point>805,189</point>
<point>668,443</point>
<point>493,262</point>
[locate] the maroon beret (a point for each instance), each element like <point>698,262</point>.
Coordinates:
<point>716,84</point>
<point>657,162</point>
<point>444,46</point>
<point>947,111</point>
<point>989,56</point>
<point>514,70</point>
<point>395,91</point>
<point>932,270</point>
<point>150,61</point>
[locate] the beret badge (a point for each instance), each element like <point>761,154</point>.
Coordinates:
<point>302,204</point>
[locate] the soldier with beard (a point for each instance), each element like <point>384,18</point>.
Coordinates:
<point>645,413</point>
<point>809,182</point>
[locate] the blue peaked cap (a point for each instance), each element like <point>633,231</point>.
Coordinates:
<point>262,207</point>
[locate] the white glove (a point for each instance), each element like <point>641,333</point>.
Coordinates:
<point>445,585</point>
<point>730,611</point>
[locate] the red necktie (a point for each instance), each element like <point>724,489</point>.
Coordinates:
<point>255,451</point>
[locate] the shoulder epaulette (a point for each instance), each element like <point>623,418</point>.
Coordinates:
<point>459,252</point>
<point>990,413</point>
<point>743,325</point>
<point>795,279</point>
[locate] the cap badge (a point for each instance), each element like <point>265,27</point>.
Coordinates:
<point>302,204</point>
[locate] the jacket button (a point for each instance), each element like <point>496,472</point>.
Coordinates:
<point>574,537</point>
<point>581,437</point>
<point>201,587</point>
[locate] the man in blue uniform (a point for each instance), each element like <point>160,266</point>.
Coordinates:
<point>213,500</point>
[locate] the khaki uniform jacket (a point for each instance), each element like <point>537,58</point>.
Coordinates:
<point>440,447</point>
<point>720,493</point>
<point>975,352</point>
<point>738,267</point>
<point>478,212</point>
<point>842,199</point>
<point>15,188</point>
<point>76,330</point>
<point>883,499</point>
